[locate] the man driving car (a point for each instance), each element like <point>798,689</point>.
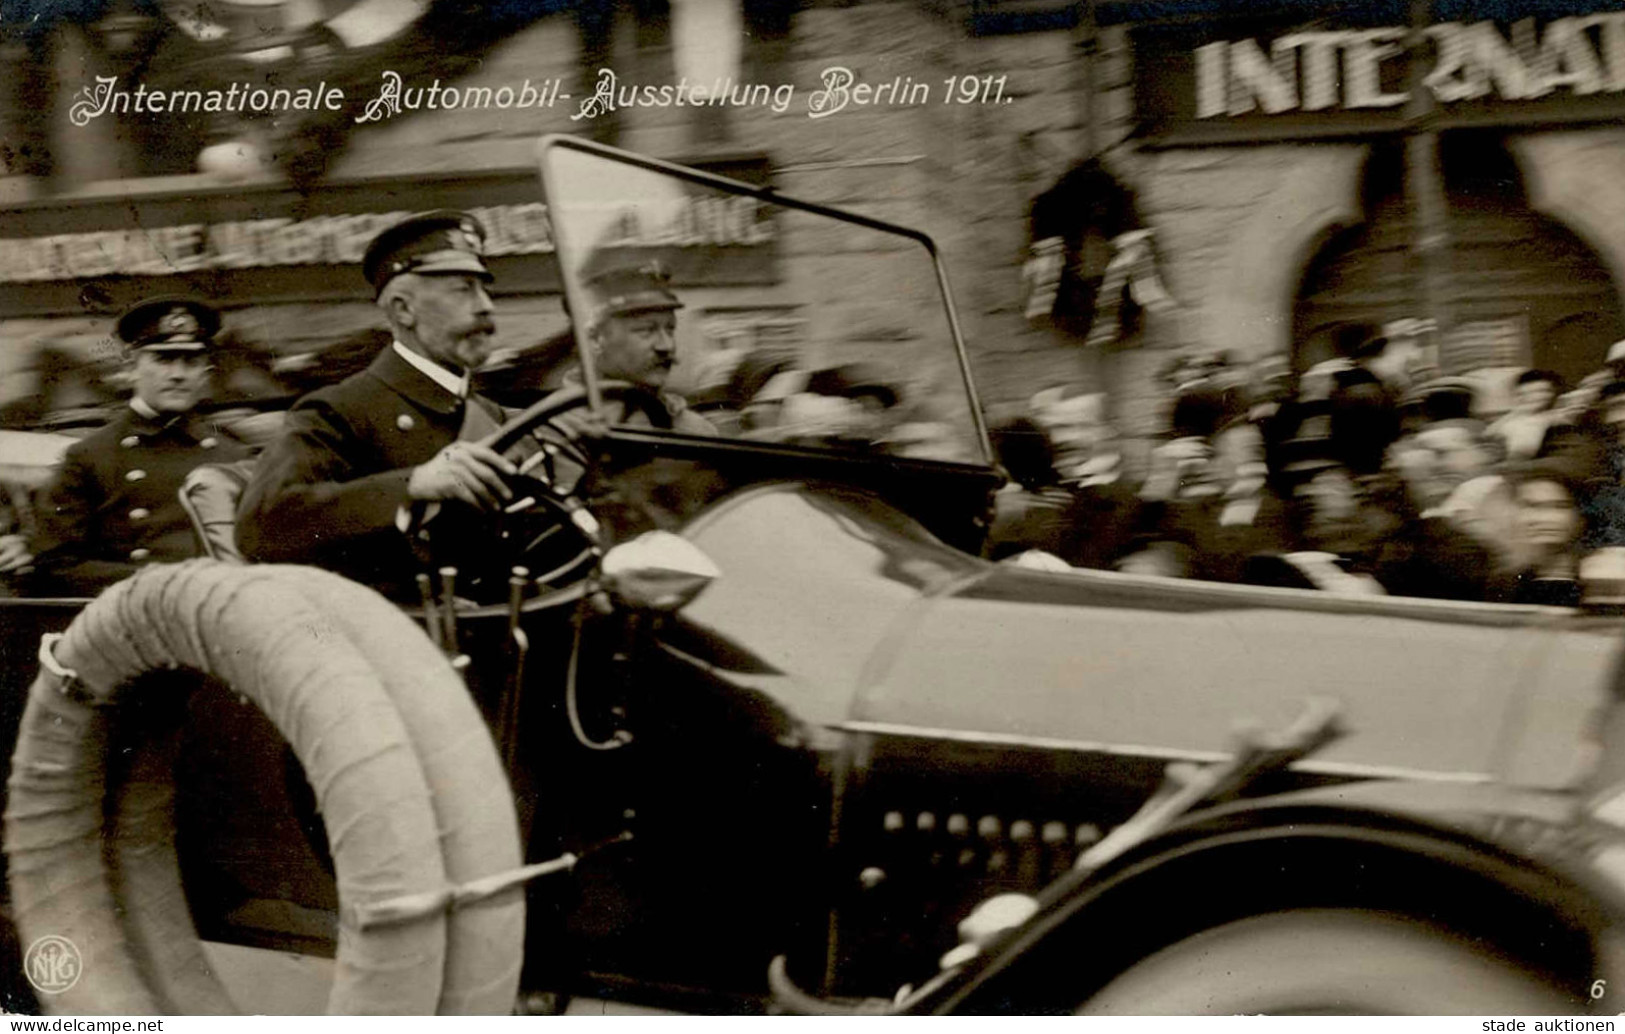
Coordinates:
<point>364,465</point>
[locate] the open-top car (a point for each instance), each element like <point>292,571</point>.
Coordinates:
<point>725,713</point>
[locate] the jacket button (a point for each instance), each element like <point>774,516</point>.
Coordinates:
<point>140,554</point>
<point>129,441</point>
<point>404,422</point>
<point>209,443</point>
<point>140,513</point>
<point>135,475</point>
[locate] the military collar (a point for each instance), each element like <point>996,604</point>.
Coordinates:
<point>455,383</point>
<point>413,384</point>
<point>675,404</point>
<point>144,420</point>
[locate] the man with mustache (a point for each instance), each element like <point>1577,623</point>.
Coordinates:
<point>113,505</point>
<point>364,464</point>
<point>632,331</point>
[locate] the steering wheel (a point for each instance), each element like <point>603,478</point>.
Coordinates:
<point>546,528</point>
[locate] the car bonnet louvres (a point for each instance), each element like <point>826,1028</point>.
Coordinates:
<point>957,847</point>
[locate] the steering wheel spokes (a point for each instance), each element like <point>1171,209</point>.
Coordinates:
<point>546,526</point>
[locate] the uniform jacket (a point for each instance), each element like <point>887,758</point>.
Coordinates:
<point>681,418</point>
<point>328,492</point>
<point>114,505</point>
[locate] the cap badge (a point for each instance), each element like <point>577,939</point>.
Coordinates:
<point>178,321</point>
<point>466,239</point>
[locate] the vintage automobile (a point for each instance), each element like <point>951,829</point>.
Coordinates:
<point>766,733</point>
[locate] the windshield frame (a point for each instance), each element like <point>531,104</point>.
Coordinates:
<point>566,249</point>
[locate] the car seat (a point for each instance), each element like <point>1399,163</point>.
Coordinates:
<point>209,496</point>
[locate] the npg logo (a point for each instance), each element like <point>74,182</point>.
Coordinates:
<point>52,964</point>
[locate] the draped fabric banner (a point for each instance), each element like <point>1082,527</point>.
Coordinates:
<point>271,243</point>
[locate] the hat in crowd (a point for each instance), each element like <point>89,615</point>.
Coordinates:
<point>1199,412</point>
<point>1371,347</point>
<point>1069,404</point>
<point>1306,442</point>
<point>1539,376</point>
<point>170,323</point>
<point>1300,458</point>
<point>627,290</point>
<point>1546,468</point>
<point>1358,340</point>
<point>752,374</point>
<point>851,380</point>
<point>1616,352</point>
<point>792,380</point>
<point>1446,398</point>
<point>443,241</point>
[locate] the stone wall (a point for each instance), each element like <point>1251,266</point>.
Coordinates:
<point>1576,177</point>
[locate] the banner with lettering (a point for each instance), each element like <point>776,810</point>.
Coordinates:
<point>268,243</point>
<point>1351,74</point>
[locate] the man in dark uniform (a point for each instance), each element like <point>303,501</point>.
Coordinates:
<point>364,464</point>
<point>114,505</point>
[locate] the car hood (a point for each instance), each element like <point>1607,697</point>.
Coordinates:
<point>850,617</point>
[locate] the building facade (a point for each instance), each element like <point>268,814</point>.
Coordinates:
<point>1456,169</point>
<point>1437,167</point>
<point>948,118</point>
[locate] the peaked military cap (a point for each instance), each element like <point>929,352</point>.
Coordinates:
<point>624,290</point>
<point>169,323</point>
<point>443,241</point>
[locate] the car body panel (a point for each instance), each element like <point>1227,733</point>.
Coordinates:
<point>862,622</point>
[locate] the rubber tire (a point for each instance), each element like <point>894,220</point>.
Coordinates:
<point>310,650</point>
<point>1320,961</point>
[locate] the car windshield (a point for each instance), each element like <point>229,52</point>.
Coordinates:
<point>740,314</point>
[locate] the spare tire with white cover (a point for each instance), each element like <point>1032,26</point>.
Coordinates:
<point>407,779</point>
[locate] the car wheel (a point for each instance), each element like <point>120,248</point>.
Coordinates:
<point>408,783</point>
<point>1327,961</point>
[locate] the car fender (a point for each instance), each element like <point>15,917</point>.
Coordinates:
<point>1503,866</point>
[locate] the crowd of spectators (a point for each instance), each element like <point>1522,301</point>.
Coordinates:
<point>1363,474</point>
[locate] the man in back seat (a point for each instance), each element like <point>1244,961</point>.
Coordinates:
<point>113,506</point>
